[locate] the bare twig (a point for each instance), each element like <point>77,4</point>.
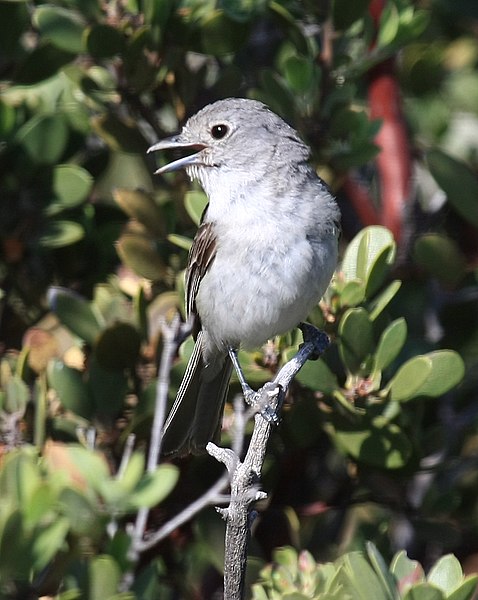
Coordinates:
<point>245,475</point>
<point>173,333</point>
<point>215,494</point>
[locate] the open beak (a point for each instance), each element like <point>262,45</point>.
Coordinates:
<point>176,142</point>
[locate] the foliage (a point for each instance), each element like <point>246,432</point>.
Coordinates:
<point>378,436</point>
<point>361,575</point>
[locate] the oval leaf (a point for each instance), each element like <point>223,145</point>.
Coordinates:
<point>71,185</point>
<point>447,371</point>
<point>410,378</point>
<point>441,258</point>
<point>70,387</point>
<point>356,338</point>
<point>141,206</point>
<point>363,250</point>
<point>63,27</point>
<point>61,233</point>
<point>446,573</point>
<point>154,487</point>
<point>458,182</point>
<point>390,343</point>
<point>195,202</point>
<point>117,346</point>
<point>138,252</point>
<point>221,35</point>
<point>44,138</point>
<point>75,313</point>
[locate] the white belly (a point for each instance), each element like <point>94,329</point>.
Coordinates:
<point>256,289</point>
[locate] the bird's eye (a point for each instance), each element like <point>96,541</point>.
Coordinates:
<point>219,131</point>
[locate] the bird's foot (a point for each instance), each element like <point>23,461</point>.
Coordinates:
<point>261,401</point>
<point>320,339</point>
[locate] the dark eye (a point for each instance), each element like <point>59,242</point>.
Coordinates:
<point>219,131</point>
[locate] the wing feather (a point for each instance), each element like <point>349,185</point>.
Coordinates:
<point>201,256</point>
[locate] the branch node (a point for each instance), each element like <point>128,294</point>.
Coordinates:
<point>225,455</point>
<point>224,512</point>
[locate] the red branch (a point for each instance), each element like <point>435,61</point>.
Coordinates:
<point>394,163</point>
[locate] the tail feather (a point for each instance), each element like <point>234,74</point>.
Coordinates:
<point>195,417</point>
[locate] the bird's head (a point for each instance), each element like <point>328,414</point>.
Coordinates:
<point>233,136</point>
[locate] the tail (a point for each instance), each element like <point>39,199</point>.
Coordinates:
<point>195,417</point>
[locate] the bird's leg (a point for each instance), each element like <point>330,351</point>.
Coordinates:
<point>250,396</point>
<point>249,393</point>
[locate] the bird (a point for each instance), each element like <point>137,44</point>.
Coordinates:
<point>262,257</point>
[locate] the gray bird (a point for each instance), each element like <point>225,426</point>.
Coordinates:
<point>261,259</point>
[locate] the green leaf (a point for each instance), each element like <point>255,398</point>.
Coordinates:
<point>75,313</point>
<point>41,504</point>
<point>385,577</point>
<point>363,580</point>
<point>278,95</point>
<point>43,62</point>
<point>133,472</point>
<point>317,376</point>
<point>108,389</point>
<point>81,513</point>
<point>406,570</point>
<point>355,338</point>
<point>352,293</point>
<point>154,487</point>
<point>16,396</point>
<point>121,135</point>
<point>448,370</point>
<point>458,182</point>
<point>195,202</point>
<point>58,234</point>
<point>383,447</point>
<point>71,186</point>
<point>410,378</point>
<point>466,591</point>
<point>446,573</point>
<point>389,25</point>
<point>441,258</point>
<point>299,73</point>
<point>104,578</point>
<point>429,375</point>
<point>158,13</point>
<point>141,206</point>
<point>19,476</point>
<point>221,35</point>
<point>180,240</point>
<point>424,591</point>
<point>7,119</point>
<point>369,249</point>
<point>70,387</point>
<point>390,344</point>
<point>378,270</point>
<point>48,542</point>
<point>63,27</point>
<point>138,252</point>
<point>90,464</point>
<point>289,25</point>
<point>44,138</point>
<point>380,302</point>
<point>117,346</point>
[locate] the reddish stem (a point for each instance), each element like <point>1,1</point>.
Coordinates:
<point>394,163</point>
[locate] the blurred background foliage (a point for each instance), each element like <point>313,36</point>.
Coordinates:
<point>379,439</point>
